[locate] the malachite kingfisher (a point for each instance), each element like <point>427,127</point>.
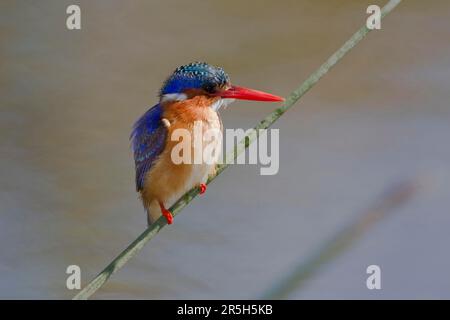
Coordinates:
<point>194,92</point>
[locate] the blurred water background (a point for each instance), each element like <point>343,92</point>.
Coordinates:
<point>68,100</point>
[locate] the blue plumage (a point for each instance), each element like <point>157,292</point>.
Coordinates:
<point>148,140</point>
<point>196,75</point>
<point>149,134</point>
<point>192,93</point>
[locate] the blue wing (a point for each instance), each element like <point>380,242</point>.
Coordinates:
<point>148,140</point>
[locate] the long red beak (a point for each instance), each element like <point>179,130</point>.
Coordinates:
<point>242,93</point>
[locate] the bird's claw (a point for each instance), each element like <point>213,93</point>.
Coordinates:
<point>168,215</point>
<point>202,188</point>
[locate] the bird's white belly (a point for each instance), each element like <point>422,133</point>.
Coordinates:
<point>200,171</point>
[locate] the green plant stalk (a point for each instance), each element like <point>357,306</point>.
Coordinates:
<point>250,137</point>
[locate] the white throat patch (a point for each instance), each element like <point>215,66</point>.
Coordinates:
<point>221,102</point>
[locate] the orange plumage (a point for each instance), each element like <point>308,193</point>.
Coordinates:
<point>192,94</point>
<point>166,181</point>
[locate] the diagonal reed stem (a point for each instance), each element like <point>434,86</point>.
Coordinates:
<point>251,136</point>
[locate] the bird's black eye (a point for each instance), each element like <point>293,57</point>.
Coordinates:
<point>209,87</point>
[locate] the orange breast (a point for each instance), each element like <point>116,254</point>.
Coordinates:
<point>167,181</point>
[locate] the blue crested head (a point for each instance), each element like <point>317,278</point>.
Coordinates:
<point>196,75</point>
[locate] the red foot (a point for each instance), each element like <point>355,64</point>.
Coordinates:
<point>202,188</point>
<point>166,213</point>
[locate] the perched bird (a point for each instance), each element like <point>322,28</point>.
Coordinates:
<point>194,92</point>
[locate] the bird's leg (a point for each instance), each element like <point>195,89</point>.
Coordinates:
<point>202,188</point>
<point>166,213</point>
